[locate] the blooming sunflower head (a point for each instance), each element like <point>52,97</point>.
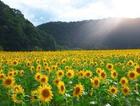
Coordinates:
<point>78,90</point>
<point>45,93</point>
<point>60,73</point>
<point>70,74</point>
<point>132,75</point>
<point>61,87</point>
<point>123,81</point>
<point>8,81</point>
<point>113,90</point>
<point>125,90</point>
<point>43,79</point>
<point>95,82</point>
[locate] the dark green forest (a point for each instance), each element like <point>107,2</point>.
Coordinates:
<point>17,33</point>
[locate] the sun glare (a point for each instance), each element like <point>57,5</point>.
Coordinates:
<point>126,8</point>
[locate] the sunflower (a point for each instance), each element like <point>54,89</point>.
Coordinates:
<point>113,90</point>
<point>34,95</point>
<point>109,66</point>
<point>124,81</point>
<point>32,68</point>
<point>56,81</point>
<point>66,67</point>
<point>98,70</point>
<point>38,68</point>
<point>70,74</point>
<point>43,79</point>
<point>54,67</point>
<point>17,89</point>
<point>47,68</point>
<point>61,87</point>
<point>95,82</point>
<point>81,74</point>
<point>137,69</point>
<point>125,90</point>
<point>15,62</point>
<point>37,76</point>
<point>130,63</point>
<point>78,90</point>
<point>114,74</point>
<point>17,98</point>
<point>103,75</point>
<point>60,73</point>
<point>28,63</point>
<point>38,61</point>
<point>132,75</point>
<point>88,74</point>
<point>8,81</point>
<point>45,93</point>
<point>21,72</point>
<point>2,76</point>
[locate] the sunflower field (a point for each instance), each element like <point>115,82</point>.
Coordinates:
<point>70,78</point>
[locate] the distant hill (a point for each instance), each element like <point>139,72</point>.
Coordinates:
<point>110,33</point>
<point>17,33</point>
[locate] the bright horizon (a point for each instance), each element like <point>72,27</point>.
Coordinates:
<point>42,11</point>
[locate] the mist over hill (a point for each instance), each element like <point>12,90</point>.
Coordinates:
<point>110,33</point>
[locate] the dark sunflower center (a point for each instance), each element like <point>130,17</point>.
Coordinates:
<point>45,93</point>
<point>77,90</point>
<point>8,81</point>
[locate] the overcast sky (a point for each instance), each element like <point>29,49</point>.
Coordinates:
<point>41,11</point>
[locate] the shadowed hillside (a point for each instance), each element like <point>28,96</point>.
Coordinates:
<point>111,33</point>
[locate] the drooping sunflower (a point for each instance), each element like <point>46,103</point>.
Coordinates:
<point>78,90</point>
<point>45,93</point>
<point>95,82</point>
<point>70,74</point>
<point>8,81</point>
<point>61,87</point>
<point>113,90</point>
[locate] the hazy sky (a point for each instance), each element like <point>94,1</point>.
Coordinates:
<point>41,11</point>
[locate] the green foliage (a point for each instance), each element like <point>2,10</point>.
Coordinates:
<point>17,33</point>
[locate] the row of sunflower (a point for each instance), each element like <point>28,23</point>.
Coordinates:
<point>70,78</point>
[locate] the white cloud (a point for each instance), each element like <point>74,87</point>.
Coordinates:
<point>39,11</point>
